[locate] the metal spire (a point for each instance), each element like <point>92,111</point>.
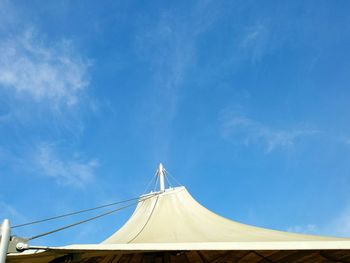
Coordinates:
<point>5,240</point>
<point>160,173</point>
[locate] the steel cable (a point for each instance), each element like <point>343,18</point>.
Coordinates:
<point>91,218</point>
<point>76,212</point>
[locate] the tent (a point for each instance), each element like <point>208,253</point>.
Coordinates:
<point>171,226</point>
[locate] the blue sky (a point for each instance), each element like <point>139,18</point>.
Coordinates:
<point>247,104</point>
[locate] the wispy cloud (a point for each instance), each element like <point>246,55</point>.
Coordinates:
<point>40,71</point>
<point>254,41</point>
<point>44,85</point>
<point>169,46</point>
<point>66,171</point>
<point>252,35</point>
<point>240,129</point>
<point>339,225</point>
<point>307,229</point>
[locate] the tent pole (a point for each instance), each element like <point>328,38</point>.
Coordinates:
<point>5,240</point>
<point>161,178</point>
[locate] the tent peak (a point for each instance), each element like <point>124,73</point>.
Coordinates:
<point>160,173</point>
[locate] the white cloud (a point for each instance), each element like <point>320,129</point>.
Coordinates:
<point>72,171</point>
<point>255,41</point>
<point>247,131</point>
<point>338,226</point>
<point>308,229</point>
<point>40,71</point>
<point>252,35</point>
<point>169,47</point>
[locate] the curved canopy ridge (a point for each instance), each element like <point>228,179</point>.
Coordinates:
<point>174,216</point>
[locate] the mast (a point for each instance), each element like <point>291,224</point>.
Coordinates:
<point>5,239</point>
<point>160,173</point>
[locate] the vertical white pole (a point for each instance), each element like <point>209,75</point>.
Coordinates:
<point>161,178</point>
<point>5,240</point>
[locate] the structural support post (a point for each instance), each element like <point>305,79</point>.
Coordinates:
<point>5,240</point>
<point>161,178</point>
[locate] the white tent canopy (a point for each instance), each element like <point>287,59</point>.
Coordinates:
<point>175,216</point>
<point>172,226</point>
